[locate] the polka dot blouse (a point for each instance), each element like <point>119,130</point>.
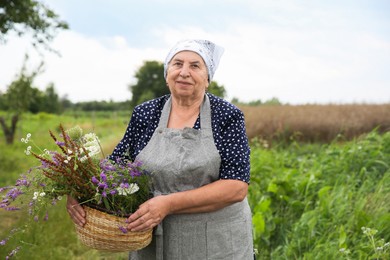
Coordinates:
<point>228,128</point>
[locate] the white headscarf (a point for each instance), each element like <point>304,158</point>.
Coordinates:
<point>209,51</point>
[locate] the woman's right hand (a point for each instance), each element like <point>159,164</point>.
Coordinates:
<point>76,212</point>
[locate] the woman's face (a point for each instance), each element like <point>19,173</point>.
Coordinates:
<point>187,75</point>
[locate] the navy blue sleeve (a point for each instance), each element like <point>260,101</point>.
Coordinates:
<point>231,140</point>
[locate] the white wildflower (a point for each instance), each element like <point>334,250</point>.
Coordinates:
<point>42,194</point>
<point>28,150</point>
<point>91,144</point>
<point>36,194</point>
<point>83,159</point>
<point>133,188</point>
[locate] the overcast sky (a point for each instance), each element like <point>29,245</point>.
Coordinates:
<point>304,51</point>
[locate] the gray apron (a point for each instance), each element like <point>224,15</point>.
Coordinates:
<point>185,159</point>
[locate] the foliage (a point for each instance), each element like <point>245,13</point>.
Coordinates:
<point>150,83</point>
<point>310,201</point>
<point>100,106</point>
<point>22,16</point>
<point>259,102</point>
<point>75,169</point>
<point>218,90</point>
<point>21,96</point>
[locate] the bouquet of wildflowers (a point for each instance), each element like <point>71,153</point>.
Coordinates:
<point>77,169</point>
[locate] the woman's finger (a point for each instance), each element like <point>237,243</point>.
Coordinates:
<point>76,212</point>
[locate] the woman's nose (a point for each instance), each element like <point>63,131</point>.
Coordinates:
<point>184,72</point>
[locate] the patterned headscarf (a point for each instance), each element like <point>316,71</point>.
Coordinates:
<point>209,51</point>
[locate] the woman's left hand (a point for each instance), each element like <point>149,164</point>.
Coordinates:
<point>149,214</point>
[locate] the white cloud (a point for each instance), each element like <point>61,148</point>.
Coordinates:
<point>88,69</point>
<point>297,64</point>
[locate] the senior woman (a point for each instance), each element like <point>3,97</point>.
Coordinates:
<point>196,147</point>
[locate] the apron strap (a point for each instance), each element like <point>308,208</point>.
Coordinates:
<point>205,114</point>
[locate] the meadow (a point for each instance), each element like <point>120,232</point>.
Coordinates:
<point>313,195</point>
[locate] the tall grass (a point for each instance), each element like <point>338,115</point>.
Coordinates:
<point>311,201</point>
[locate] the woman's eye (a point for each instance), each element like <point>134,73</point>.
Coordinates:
<point>195,65</point>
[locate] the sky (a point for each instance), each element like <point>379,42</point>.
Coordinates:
<point>298,51</point>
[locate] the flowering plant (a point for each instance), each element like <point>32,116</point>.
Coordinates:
<point>77,169</point>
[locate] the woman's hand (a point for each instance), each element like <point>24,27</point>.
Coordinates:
<point>207,198</point>
<point>76,212</point>
<point>149,214</point>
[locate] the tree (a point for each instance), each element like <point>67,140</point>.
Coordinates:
<point>50,102</point>
<point>216,89</point>
<point>19,98</point>
<point>23,16</point>
<point>151,84</point>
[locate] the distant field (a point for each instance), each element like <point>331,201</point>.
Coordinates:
<point>315,123</point>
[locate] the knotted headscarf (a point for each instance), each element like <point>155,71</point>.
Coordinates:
<point>209,51</point>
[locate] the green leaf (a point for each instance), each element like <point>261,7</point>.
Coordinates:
<point>259,223</point>
<point>342,237</point>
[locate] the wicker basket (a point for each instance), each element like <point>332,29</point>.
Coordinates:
<point>102,232</point>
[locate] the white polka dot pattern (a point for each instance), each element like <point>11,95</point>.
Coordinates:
<point>228,127</point>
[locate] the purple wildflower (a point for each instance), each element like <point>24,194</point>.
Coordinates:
<point>36,218</point>
<point>59,143</point>
<point>106,165</point>
<point>102,185</point>
<point>123,229</point>
<point>135,173</point>
<point>3,242</point>
<point>13,252</point>
<point>113,192</point>
<point>103,177</point>
<point>124,185</point>
<point>22,182</point>
<point>104,194</point>
<point>54,202</point>
<point>137,164</point>
<point>44,164</point>
<point>12,208</point>
<point>14,193</point>
<point>4,188</point>
<point>46,217</point>
<point>94,180</point>
<point>4,203</point>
